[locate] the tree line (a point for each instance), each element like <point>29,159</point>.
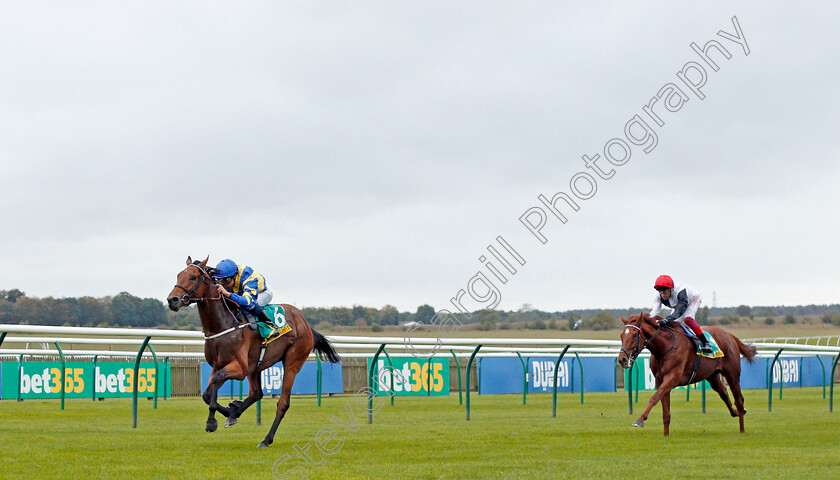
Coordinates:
<point>126,310</point>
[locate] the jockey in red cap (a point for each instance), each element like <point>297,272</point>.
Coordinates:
<point>684,301</point>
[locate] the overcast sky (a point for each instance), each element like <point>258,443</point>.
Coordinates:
<point>369,152</point>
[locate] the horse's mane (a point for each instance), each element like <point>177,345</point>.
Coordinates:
<point>646,318</point>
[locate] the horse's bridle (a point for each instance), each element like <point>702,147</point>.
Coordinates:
<point>189,297</point>
<point>637,349</point>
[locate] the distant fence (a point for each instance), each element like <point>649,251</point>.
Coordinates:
<point>825,340</point>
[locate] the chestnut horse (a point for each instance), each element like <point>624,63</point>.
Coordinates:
<point>233,350</point>
<point>672,362</point>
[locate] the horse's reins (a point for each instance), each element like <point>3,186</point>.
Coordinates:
<point>188,298</point>
<point>637,349</point>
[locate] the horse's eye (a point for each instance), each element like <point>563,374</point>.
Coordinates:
<point>193,277</point>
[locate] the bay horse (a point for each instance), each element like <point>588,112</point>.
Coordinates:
<point>672,362</point>
<point>233,350</point>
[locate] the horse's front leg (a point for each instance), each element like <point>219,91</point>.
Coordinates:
<point>210,396</point>
<point>668,383</point>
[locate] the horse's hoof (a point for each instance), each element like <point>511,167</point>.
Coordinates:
<point>262,445</point>
<point>211,426</point>
<point>639,423</point>
<point>230,422</point>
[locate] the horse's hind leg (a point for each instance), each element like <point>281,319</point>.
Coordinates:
<point>735,385</point>
<point>716,382</point>
<point>290,371</point>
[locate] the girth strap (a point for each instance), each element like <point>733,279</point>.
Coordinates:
<point>696,366</point>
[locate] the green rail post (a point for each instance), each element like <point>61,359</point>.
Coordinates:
<point>165,377</point>
<point>320,376</point>
<point>630,386</point>
<point>801,361</point>
<point>469,366</point>
<point>556,369</point>
<point>371,384</point>
<point>20,377</point>
<point>580,364</point>
<point>157,370</point>
<point>823,375</point>
<point>687,392</point>
<point>615,378</point>
<point>428,377</point>
<point>93,390</point>
<point>524,379</point>
<point>703,394</point>
<point>831,395</point>
<point>63,373</point>
<point>391,366</point>
<point>770,381</point>
<point>134,388</point>
<point>638,382</point>
<point>458,366</point>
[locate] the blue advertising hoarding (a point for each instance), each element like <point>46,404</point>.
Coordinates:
<point>306,381</point>
<point>505,375</point>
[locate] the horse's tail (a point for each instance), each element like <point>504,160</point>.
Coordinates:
<point>748,351</point>
<point>325,349</point>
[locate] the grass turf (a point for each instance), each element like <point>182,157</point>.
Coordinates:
<point>427,438</point>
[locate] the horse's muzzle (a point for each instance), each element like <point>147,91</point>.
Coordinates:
<point>175,303</point>
<point>626,361</point>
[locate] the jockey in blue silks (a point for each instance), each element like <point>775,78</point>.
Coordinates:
<point>245,287</point>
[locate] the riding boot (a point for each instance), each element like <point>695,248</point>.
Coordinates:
<point>705,347</point>
<point>262,317</point>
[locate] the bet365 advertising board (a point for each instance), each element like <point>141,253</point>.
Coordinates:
<point>108,379</point>
<point>412,376</point>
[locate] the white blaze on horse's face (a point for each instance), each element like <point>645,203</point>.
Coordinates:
<point>630,345</point>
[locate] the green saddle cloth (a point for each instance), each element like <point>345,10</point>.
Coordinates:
<point>716,351</point>
<point>278,327</point>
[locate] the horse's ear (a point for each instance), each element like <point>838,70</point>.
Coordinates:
<point>204,262</point>
<point>623,320</point>
<point>189,260</point>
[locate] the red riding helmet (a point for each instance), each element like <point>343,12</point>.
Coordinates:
<point>663,281</point>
